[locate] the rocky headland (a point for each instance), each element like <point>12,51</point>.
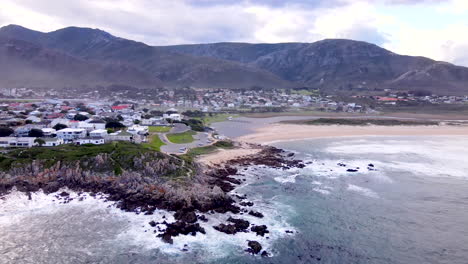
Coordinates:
<point>141,180</point>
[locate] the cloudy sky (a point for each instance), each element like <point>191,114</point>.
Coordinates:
<point>431,28</point>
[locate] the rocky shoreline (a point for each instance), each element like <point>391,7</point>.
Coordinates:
<point>142,190</point>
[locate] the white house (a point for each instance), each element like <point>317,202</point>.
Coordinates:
<point>71,133</point>
<point>90,140</point>
<point>98,124</point>
<point>138,130</point>
<point>120,136</point>
<point>176,117</point>
<point>48,132</point>
<point>52,142</point>
<point>25,142</point>
<point>98,133</point>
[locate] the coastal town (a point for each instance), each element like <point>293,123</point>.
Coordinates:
<point>46,122</point>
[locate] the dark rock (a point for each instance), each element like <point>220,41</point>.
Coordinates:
<point>351,170</point>
<point>371,165</point>
<point>246,203</point>
<point>188,217</point>
<point>64,194</point>
<point>261,230</point>
<point>179,227</point>
<point>256,214</point>
<point>341,164</point>
<point>289,231</point>
<point>240,224</point>
<point>228,229</point>
<point>203,218</point>
<point>265,254</point>
<point>152,223</point>
<point>254,247</point>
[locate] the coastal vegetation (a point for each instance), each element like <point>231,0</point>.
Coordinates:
<point>182,138</point>
<point>361,122</point>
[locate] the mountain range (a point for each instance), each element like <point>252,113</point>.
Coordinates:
<point>83,56</point>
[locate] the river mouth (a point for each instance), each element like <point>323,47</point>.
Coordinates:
<point>408,207</point>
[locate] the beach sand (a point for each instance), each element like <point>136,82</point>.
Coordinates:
<point>282,132</point>
<point>223,155</point>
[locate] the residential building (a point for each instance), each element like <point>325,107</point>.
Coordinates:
<point>98,133</point>
<point>90,140</point>
<point>52,142</point>
<point>69,134</point>
<point>12,142</point>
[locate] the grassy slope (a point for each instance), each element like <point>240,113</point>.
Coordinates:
<point>182,138</point>
<point>119,152</point>
<point>208,120</point>
<point>155,143</point>
<point>159,129</point>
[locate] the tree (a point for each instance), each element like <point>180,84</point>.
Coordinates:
<point>39,141</point>
<point>136,121</point>
<point>35,133</point>
<point>79,117</point>
<point>114,125</point>
<point>28,122</point>
<point>6,131</point>
<point>59,126</point>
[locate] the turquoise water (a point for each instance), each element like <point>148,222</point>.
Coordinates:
<point>411,207</point>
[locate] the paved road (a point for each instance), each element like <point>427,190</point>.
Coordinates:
<point>201,139</point>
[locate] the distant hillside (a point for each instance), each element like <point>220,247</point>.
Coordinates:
<point>333,65</point>
<point>339,64</point>
<point>31,65</point>
<point>174,69</point>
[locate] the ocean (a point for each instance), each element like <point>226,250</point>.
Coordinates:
<point>407,202</point>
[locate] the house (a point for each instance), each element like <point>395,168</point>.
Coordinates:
<point>98,124</point>
<point>120,136</point>
<point>138,130</point>
<point>173,116</point>
<point>12,142</point>
<point>49,132</point>
<point>68,134</point>
<point>52,142</point>
<point>98,133</point>
<point>90,140</point>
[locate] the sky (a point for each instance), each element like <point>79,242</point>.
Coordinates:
<point>432,28</point>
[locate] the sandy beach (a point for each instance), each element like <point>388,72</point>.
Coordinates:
<point>223,155</point>
<point>280,132</point>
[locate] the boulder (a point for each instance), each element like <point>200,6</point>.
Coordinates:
<point>254,247</point>
<point>261,230</point>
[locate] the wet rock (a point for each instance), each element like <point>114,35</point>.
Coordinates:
<point>370,165</point>
<point>203,218</point>
<point>186,216</point>
<point>228,229</point>
<point>254,247</point>
<point>289,232</point>
<point>341,164</point>
<point>351,170</point>
<point>64,194</point>
<point>240,224</point>
<point>256,214</point>
<point>265,254</point>
<point>246,203</point>
<point>261,230</point>
<point>152,223</point>
<point>179,227</point>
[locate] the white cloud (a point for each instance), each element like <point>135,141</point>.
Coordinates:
<point>161,22</point>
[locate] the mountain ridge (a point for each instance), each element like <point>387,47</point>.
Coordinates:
<point>331,65</point>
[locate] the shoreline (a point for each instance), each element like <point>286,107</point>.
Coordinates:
<point>290,132</point>
<point>251,144</point>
